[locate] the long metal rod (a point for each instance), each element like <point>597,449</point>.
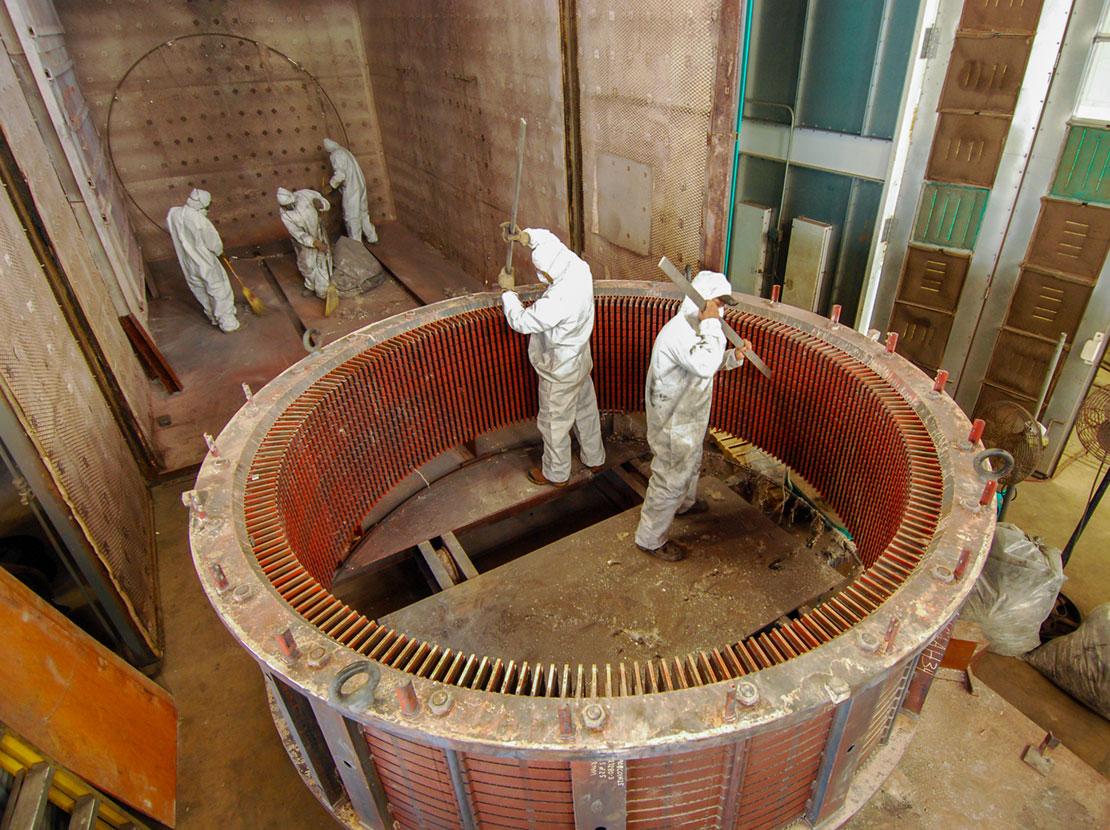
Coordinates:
<point>516,192</point>
<point>730,334</point>
<point>1092,505</point>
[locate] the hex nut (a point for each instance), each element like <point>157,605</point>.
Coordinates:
<point>869,641</point>
<point>747,693</point>
<point>593,716</point>
<point>242,593</point>
<point>440,702</point>
<point>318,657</point>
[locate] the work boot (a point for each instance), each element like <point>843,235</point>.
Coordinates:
<point>595,469</point>
<point>670,551</point>
<point>699,506</point>
<point>536,476</point>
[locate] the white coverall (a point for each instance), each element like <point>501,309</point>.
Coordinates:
<point>198,246</point>
<point>347,174</point>
<point>679,394</point>
<point>560,323</point>
<point>302,219</point>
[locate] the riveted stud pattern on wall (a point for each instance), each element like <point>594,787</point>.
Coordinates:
<point>647,70</point>
<point>226,113</point>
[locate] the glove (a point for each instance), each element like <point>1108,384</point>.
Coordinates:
<point>512,233</point>
<point>506,280</point>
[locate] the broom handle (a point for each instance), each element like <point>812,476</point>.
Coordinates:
<point>232,270</point>
<point>516,192</point>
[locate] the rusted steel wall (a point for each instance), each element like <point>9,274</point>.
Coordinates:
<point>220,112</point>
<point>452,82</point>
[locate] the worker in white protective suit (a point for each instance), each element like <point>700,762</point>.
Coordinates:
<point>688,351</point>
<point>347,175</point>
<point>300,213</point>
<point>199,247</point>
<point>560,322</point>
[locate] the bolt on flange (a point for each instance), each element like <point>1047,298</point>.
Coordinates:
<point>593,716</point>
<point>440,702</point>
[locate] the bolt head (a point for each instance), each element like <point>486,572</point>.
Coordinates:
<point>594,716</point>
<point>869,641</point>
<point>747,693</point>
<point>318,657</point>
<point>440,702</point>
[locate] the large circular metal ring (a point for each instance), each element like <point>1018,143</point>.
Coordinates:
<point>364,694</point>
<point>986,470</point>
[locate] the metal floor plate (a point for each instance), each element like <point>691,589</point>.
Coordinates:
<point>594,597</point>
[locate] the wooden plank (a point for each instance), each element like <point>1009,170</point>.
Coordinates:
<point>151,356</point>
<point>84,706</point>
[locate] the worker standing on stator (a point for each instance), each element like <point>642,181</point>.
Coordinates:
<point>688,352</point>
<point>560,322</point>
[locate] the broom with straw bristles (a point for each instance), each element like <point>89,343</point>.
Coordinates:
<point>257,306</point>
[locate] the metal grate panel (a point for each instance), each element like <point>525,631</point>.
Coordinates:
<point>1070,239</point>
<point>985,73</point>
<point>48,382</point>
<point>1020,362</point>
<point>1045,305</point>
<point>949,215</point>
<point>922,333</point>
<point>967,148</point>
<point>1084,171</point>
<point>647,70</point>
<point>1016,16</point>
<point>933,278</point>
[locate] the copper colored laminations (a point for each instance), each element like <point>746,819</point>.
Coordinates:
<point>754,733</point>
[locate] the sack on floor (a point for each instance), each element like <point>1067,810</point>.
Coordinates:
<point>1016,591</point>
<point>355,269</point>
<point>1079,663</point>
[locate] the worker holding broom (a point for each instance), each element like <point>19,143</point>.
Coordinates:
<point>198,246</point>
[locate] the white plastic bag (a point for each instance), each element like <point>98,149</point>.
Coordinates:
<point>1079,663</point>
<point>1016,591</point>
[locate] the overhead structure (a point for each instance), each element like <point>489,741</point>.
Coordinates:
<point>753,732</point>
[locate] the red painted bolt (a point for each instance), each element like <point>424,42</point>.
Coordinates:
<point>891,633</point>
<point>410,703</point>
<point>219,577</point>
<point>288,645</point>
<point>835,316</point>
<point>941,382</point>
<point>566,723</point>
<point>729,715</point>
<point>776,292</point>
<point>891,341</point>
<point>961,564</point>
<point>988,493</point>
<point>211,442</point>
<point>977,427</point>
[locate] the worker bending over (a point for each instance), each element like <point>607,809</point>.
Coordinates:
<point>560,323</point>
<point>300,213</point>
<point>688,351</point>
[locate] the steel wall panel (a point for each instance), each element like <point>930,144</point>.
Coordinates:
<point>49,385</point>
<point>922,333</point>
<point>1046,305</point>
<point>1020,362</point>
<point>647,71</point>
<point>220,117</point>
<point>451,83</point>
<point>1082,174</point>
